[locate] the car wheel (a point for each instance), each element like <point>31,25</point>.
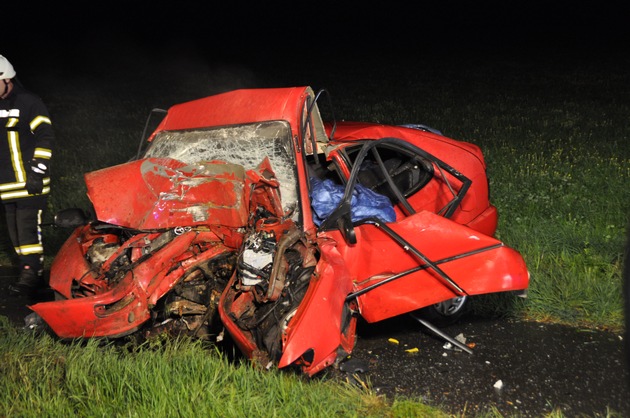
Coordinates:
<point>446,312</point>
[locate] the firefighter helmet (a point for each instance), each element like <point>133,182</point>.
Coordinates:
<point>6,69</point>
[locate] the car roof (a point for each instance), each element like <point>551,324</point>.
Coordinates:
<point>238,107</point>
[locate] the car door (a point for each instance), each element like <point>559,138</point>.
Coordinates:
<point>419,257</point>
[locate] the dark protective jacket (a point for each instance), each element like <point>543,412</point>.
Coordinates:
<point>26,134</point>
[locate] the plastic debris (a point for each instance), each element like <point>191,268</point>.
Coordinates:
<point>393,341</point>
<point>412,350</point>
<point>365,203</point>
<point>33,321</point>
<point>498,384</point>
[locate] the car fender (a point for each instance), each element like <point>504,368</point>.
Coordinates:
<point>318,323</point>
<point>122,309</point>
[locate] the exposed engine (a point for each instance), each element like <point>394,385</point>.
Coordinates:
<point>272,275</point>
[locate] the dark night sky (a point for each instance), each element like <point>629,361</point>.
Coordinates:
<point>63,34</point>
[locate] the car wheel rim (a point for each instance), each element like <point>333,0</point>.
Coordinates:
<point>451,306</point>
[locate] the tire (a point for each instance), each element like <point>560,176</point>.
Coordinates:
<point>446,312</point>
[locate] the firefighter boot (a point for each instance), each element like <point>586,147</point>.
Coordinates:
<point>28,283</point>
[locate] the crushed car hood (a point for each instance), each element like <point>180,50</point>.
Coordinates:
<point>159,193</point>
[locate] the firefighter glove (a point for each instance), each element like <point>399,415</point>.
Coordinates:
<point>35,176</point>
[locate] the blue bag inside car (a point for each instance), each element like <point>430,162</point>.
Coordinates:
<point>365,203</point>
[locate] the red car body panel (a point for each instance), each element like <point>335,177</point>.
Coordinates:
<point>202,234</point>
<point>487,267</point>
<point>123,308</point>
<point>325,299</point>
<point>235,107</point>
<point>475,209</point>
<point>163,199</point>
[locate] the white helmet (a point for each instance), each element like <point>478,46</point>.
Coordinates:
<point>6,69</point>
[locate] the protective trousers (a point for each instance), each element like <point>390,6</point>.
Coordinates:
<point>24,218</point>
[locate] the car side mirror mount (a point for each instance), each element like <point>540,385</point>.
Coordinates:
<point>342,219</point>
<point>70,218</point>
<point>347,229</point>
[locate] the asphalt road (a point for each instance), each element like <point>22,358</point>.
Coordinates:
<point>520,368</point>
<point>536,367</point>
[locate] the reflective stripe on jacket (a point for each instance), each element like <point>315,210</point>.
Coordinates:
<point>25,133</point>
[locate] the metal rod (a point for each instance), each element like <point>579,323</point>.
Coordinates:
<point>436,330</point>
<point>422,267</point>
<point>448,282</point>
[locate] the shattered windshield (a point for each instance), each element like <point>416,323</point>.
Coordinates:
<point>245,145</point>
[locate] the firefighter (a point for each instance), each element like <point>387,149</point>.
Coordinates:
<point>26,137</point>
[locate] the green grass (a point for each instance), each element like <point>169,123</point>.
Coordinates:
<point>554,135</point>
<point>563,208</point>
<point>178,377</point>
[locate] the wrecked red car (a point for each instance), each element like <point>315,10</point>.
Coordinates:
<point>247,213</point>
